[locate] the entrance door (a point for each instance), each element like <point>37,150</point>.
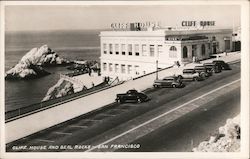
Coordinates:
<point>227,45</point>
<point>194,50</point>
<point>214,49</point>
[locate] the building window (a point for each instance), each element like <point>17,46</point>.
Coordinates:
<point>104,66</point>
<point>173,52</point>
<point>123,68</point>
<point>117,49</point>
<point>144,50</point>
<point>110,67</point>
<point>159,49</point>
<point>152,50</point>
<point>129,69</point>
<point>123,49</point>
<point>129,49</point>
<point>104,48</point>
<point>184,52</point>
<point>116,68</point>
<point>194,48</point>
<point>137,70</point>
<point>173,48</point>
<point>203,49</point>
<point>137,50</point>
<point>110,49</point>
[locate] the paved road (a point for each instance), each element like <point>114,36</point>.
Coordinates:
<point>188,131</point>
<point>88,129</point>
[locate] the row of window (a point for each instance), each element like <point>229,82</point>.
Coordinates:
<point>120,68</point>
<point>123,48</point>
<point>144,50</point>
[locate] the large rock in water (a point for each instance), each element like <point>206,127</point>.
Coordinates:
<point>30,64</point>
<point>21,72</point>
<point>62,88</point>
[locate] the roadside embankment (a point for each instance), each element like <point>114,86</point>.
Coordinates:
<point>227,139</point>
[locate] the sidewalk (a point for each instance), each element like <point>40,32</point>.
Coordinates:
<point>232,56</point>
<point>147,81</point>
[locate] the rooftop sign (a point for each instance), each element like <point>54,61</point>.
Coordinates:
<point>138,26</point>
<point>197,23</point>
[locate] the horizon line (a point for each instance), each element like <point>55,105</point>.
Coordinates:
<point>52,30</point>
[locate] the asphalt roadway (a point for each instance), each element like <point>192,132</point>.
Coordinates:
<point>180,135</point>
<point>187,132</point>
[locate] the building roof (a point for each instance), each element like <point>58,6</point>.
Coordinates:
<point>198,31</point>
<point>163,32</point>
<point>133,33</point>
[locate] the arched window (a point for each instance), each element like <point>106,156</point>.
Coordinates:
<point>173,48</point>
<point>173,52</point>
<point>213,38</point>
<point>203,49</point>
<point>184,52</point>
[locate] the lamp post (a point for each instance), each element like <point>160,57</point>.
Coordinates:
<point>157,70</point>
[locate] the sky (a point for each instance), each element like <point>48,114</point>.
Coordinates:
<point>38,18</point>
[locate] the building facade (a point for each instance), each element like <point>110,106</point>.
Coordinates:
<point>128,54</point>
<point>237,39</point>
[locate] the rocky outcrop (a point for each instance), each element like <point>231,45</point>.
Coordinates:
<point>227,140</point>
<point>62,88</point>
<point>30,66</point>
<point>30,72</point>
<point>66,85</point>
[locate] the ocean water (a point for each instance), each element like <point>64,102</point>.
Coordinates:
<point>84,45</point>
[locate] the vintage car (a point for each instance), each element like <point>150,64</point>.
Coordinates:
<point>203,71</point>
<point>222,64</point>
<point>132,96</point>
<point>190,74</point>
<point>171,81</point>
<point>212,67</point>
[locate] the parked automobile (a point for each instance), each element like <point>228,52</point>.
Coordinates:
<point>190,74</point>
<point>213,67</point>
<point>132,96</point>
<point>171,81</point>
<point>222,64</point>
<point>203,71</point>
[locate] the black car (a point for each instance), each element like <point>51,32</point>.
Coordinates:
<point>222,64</point>
<point>132,96</point>
<point>212,67</point>
<point>203,71</point>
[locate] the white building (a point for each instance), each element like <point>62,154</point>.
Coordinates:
<point>128,54</point>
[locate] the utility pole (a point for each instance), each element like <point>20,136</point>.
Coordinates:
<point>156,69</point>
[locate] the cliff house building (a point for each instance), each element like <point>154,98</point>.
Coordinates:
<point>126,54</point>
